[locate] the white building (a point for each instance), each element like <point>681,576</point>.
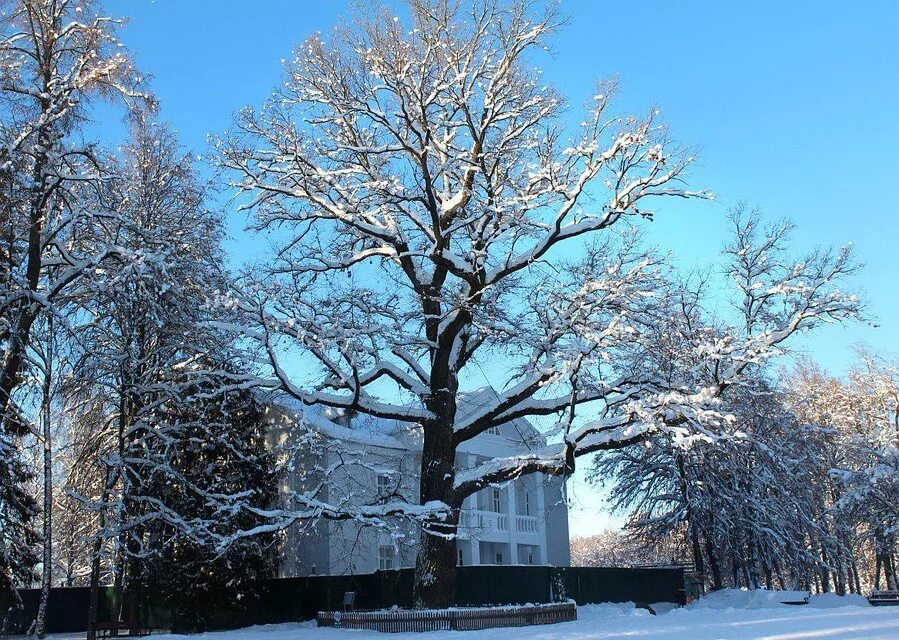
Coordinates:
<point>519,522</point>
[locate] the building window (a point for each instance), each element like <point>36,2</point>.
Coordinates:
<point>314,570</point>
<point>385,557</point>
<point>499,557</point>
<point>461,561</point>
<point>384,487</point>
<point>494,431</point>
<point>527,504</point>
<point>497,502</point>
<point>530,555</point>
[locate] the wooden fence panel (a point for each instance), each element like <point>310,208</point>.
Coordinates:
<point>449,619</point>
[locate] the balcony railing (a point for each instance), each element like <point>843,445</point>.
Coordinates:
<point>487,521</point>
<point>484,520</point>
<point>526,524</point>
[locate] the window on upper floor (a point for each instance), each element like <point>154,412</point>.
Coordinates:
<point>385,487</point>
<point>497,501</point>
<point>385,557</point>
<point>494,431</point>
<point>527,504</point>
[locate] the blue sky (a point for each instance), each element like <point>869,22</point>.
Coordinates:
<point>792,106</point>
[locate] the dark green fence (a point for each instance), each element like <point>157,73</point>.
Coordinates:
<point>66,609</point>
<point>294,599</point>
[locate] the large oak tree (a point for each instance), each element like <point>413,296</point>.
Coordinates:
<point>427,198</point>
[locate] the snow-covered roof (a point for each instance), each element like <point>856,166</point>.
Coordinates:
<point>327,421</point>
<point>392,434</point>
<point>477,400</point>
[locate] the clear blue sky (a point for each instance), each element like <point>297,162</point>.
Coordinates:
<point>793,106</point>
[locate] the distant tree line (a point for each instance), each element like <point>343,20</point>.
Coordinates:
<point>800,492</point>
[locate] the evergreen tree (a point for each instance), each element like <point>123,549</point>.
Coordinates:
<point>221,449</point>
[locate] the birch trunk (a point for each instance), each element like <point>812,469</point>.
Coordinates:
<point>47,571</point>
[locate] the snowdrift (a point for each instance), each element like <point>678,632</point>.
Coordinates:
<point>764,599</point>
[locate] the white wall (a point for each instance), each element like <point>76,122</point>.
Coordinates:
<point>336,548</point>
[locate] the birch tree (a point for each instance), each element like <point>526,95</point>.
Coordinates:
<point>55,55</point>
<point>428,198</point>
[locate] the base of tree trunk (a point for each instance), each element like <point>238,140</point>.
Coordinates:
<point>435,572</point>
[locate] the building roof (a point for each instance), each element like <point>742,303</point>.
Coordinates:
<point>393,434</point>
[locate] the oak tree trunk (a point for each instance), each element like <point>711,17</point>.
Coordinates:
<point>435,566</point>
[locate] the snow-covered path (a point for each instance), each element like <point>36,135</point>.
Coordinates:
<point>726,615</point>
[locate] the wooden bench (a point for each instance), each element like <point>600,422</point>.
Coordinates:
<point>112,629</point>
<point>798,602</point>
<point>884,598</point>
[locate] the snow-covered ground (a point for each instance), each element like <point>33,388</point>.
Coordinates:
<point>728,615</point>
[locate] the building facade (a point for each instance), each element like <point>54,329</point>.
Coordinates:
<point>377,461</point>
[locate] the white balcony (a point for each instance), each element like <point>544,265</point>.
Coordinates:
<point>526,525</point>
<point>472,519</point>
<point>489,525</point>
